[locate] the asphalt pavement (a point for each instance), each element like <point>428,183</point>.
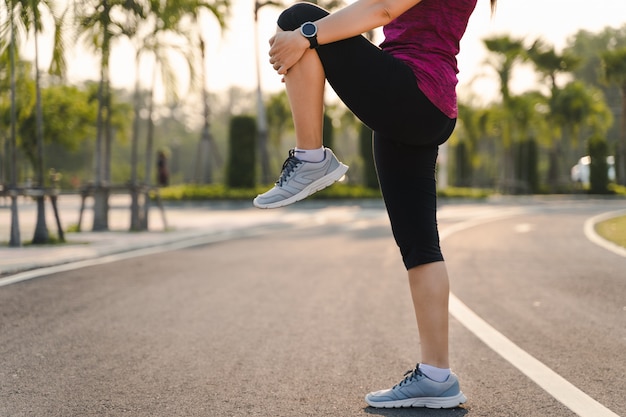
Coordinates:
<point>181,222</point>
<point>213,317</point>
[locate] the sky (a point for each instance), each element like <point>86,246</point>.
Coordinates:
<point>231,55</point>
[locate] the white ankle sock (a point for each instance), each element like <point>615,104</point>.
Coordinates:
<point>436,374</point>
<point>310,155</point>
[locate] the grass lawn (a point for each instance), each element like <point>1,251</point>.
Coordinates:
<point>613,230</point>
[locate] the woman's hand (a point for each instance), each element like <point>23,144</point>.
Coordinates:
<point>286,49</point>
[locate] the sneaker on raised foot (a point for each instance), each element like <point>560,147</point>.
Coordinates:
<point>417,390</point>
<point>299,179</point>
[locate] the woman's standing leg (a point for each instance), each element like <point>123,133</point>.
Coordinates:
<point>407,180</point>
<point>430,289</point>
<point>354,68</point>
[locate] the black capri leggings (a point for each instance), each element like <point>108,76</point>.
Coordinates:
<point>382,92</point>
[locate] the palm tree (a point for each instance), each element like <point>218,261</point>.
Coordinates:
<point>614,65</point>
<point>261,118</point>
<point>159,42</point>
<point>576,106</point>
<point>278,117</point>
<point>100,23</point>
<point>550,64</point>
<point>194,9</point>
<point>507,51</point>
<point>15,239</point>
<point>529,113</point>
<point>31,19</point>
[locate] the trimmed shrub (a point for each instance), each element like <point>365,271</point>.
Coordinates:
<point>241,166</point>
<point>527,165</point>
<point>328,132</point>
<point>463,171</point>
<point>370,179</point>
<point>598,168</point>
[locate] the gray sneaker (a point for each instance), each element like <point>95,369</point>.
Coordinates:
<point>417,390</point>
<point>300,179</point>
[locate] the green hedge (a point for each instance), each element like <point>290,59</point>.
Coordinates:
<point>336,191</point>
<point>598,149</point>
<point>370,179</point>
<point>241,167</point>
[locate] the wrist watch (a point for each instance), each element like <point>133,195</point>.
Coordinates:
<point>309,31</point>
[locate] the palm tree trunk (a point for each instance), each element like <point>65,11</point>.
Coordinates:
<point>101,193</point>
<point>135,219</point>
<point>15,240</point>
<point>621,168</point>
<point>204,169</point>
<point>41,229</point>
<point>149,151</point>
<point>261,114</point>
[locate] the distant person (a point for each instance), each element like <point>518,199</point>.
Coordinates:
<point>405,92</point>
<point>163,174</point>
<point>75,182</point>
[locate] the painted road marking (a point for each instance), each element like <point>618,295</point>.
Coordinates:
<point>551,382</point>
<point>592,235</point>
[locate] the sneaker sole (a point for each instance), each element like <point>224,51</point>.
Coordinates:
<point>423,402</point>
<point>315,186</point>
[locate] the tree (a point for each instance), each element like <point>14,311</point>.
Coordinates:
<point>159,40</point>
<point>507,52</point>
<point>614,65</point>
<point>30,16</point>
<point>15,239</point>
<point>261,117</point>
<point>100,23</point>
<point>575,107</point>
<point>551,64</point>
<point>194,9</point>
<point>279,120</point>
<point>68,116</point>
<point>590,47</point>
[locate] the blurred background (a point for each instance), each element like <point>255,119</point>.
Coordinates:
<point>100,95</point>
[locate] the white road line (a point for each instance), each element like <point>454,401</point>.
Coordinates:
<point>134,253</point>
<point>554,384</point>
<point>592,235</point>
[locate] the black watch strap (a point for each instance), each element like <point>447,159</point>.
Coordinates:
<point>313,42</point>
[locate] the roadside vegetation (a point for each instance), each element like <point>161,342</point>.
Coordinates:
<point>337,191</point>
<point>613,230</point>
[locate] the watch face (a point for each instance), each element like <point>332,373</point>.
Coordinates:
<point>309,30</point>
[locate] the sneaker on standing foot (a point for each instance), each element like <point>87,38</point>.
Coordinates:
<point>299,179</point>
<point>417,390</point>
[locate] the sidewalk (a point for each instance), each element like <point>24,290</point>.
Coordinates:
<point>185,222</point>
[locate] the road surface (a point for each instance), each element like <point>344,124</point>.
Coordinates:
<point>304,321</point>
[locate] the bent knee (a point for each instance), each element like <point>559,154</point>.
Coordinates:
<point>293,17</point>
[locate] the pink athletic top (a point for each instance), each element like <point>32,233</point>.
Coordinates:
<point>427,38</point>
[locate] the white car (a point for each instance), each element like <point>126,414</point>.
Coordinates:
<point>580,171</point>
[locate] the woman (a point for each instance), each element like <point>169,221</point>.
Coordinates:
<point>405,92</point>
